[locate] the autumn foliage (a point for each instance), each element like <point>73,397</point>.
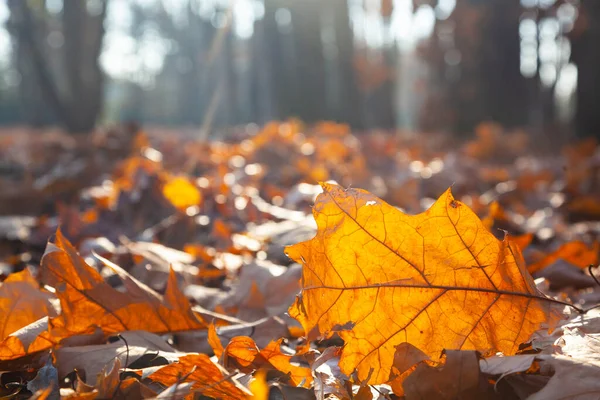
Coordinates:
<point>186,269</point>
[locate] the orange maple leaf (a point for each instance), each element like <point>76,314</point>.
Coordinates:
<point>437,280</point>
<point>88,302</point>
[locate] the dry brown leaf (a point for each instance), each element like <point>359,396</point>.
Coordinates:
<point>572,379</point>
<point>437,280</point>
<point>456,378</point>
<point>329,379</point>
<point>93,358</point>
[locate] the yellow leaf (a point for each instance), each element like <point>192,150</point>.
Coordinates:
<point>259,387</point>
<point>437,280</point>
<point>182,193</point>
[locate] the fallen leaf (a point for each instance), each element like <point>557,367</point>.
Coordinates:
<point>259,386</point>
<point>88,302</point>
<point>46,378</point>
<point>500,365</point>
<point>329,379</point>
<point>242,352</point>
<point>572,379</point>
<point>456,378</point>
<point>523,240</point>
<point>206,376</point>
<point>22,301</point>
<point>214,342</point>
<point>181,193</point>
<point>576,253</point>
<point>437,280</point>
<point>93,358</point>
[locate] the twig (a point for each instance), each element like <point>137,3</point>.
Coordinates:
<point>126,364</point>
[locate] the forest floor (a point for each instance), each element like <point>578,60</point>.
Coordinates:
<point>152,265</point>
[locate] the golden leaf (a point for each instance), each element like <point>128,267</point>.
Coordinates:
<point>437,280</point>
<point>181,193</point>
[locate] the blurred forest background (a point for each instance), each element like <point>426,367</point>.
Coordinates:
<point>428,65</point>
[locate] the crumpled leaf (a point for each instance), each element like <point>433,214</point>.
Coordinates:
<point>329,380</point>
<point>92,358</point>
<point>576,253</point>
<point>242,352</point>
<point>502,366</point>
<point>206,376</point>
<point>437,280</point>
<point>572,379</point>
<point>46,379</point>
<point>88,302</point>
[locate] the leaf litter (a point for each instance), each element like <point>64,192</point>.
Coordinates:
<point>169,279</point>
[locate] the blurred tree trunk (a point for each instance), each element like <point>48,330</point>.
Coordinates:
<point>75,98</point>
<point>310,95</point>
<point>348,108</point>
<point>474,57</point>
<point>279,51</point>
<point>504,88</point>
<point>586,55</point>
<point>261,82</point>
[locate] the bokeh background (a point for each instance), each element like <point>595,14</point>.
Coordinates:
<point>207,65</point>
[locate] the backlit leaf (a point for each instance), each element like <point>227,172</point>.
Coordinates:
<point>437,280</point>
<point>206,376</point>
<point>88,302</point>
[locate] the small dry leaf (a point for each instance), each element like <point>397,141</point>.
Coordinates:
<point>181,193</point>
<point>243,353</point>
<point>576,253</point>
<point>456,378</point>
<point>206,377</point>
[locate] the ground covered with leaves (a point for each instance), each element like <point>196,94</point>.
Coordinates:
<point>152,265</point>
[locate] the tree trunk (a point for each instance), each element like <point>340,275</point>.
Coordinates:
<point>349,103</point>
<point>310,96</point>
<point>586,56</point>
<point>78,104</point>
